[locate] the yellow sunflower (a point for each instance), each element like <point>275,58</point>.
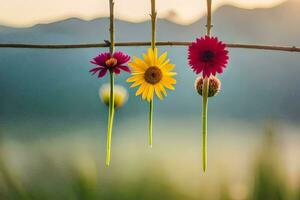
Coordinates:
<point>152,74</point>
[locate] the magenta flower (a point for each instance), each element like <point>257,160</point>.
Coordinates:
<point>208,55</point>
<point>113,63</point>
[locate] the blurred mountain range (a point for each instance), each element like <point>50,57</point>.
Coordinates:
<point>56,85</point>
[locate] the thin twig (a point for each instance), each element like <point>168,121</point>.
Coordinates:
<point>153,24</point>
<point>129,44</point>
<point>208,20</point>
<point>111,27</point>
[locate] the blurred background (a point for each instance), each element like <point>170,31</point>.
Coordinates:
<point>53,124</point>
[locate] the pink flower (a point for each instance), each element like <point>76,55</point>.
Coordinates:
<point>208,55</point>
<point>107,62</point>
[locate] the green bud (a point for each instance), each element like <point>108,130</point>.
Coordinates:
<point>214,85</point>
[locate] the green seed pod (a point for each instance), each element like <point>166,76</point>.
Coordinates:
<point>214,85</point>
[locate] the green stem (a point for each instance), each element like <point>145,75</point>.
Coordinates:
<point>153,41</point>
<point>205,96</point>
<point>112,96</point>
<point>110,118</point>
<point>150,123</point>
<point>204,122</point>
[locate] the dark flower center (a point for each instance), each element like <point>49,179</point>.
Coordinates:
<point>153,75</point>
<point>111,62</point>
<point>207,56</point>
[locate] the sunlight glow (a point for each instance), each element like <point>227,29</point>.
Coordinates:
<point>21,13</point>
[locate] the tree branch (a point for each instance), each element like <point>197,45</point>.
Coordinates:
<point>164,43</point>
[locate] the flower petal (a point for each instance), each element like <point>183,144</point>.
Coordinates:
<point>162,58</point>
<point>145,92</point>
<point>151,56</point>
<point>116,70</point>
<point>121,57</point>
<point>94,70</point>
<point>169,67</point>
<point>140,90</point>
<point>170,80</point>
<point>171,73</point>
<point>134,78</point>
<point>136,67</point>
<point>165,63</point>
<point>150,93</point>
<point>101,59</point>
<point>167,85</point>
<point>139,62</point>
<point>162,88</point>
<point>207,55</point>
<point>102,73</point>
<point>137,82</point>
<point>147,59</point>
<point>125,68</point>
<point>157,91</point>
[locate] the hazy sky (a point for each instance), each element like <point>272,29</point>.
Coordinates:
<point>24,13</point>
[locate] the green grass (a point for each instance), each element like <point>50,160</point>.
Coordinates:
<point>30,171</point>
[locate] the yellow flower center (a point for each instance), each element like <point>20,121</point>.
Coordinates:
<point>111,62</point>
<point>153,75</point>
